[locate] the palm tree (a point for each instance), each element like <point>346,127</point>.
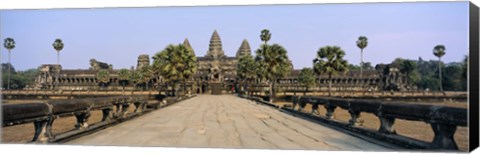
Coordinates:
<point>439,51</point>
<point>123,77</point>
<point>9,44</point>
<point>103,77</point>
<point>146,73</point>
<point>265,35</point>
<point>190,62</point>
<point>58,46</point>
<point>307,78</point>
<point>273,59</point>
<point>246,69</point>
<point>260,71</point>
<point>330,61</point>
<point>362,43</point>
<point>175,63</point>
<point>135,78</point>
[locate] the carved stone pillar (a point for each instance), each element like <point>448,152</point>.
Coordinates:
<point>139,105</point>
<point>386,125</point>
<point>82,119</point>
<point>42,132</point>
<point>125,107</point>
<point>330,110</point>
<point>355,119</point>
<point>315,109</point>
<point>107,114</point>
<point>444,136</point>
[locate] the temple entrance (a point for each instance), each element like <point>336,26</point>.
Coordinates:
<point>216,88</point>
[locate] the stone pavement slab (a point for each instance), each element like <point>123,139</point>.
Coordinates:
<point>225,121</point>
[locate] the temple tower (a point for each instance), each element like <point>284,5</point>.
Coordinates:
<point>215,48</point>
<point>187,45</point>
<point>143,60</point>
<point>244,49</point>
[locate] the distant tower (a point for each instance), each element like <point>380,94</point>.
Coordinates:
<point>215,49</point>
<point>143,60</point>
<point>244,49</point>
<point>187,45</point>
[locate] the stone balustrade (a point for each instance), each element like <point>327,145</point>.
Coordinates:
<point>114,110</point>
<point>443,120</point>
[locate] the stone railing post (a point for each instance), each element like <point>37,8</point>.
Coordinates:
<point>82,119</point>
<point>295,102</point>
<point>444,136</point>
<point>139,104</point>
<point>315,108</point>
<point>330,110</point>
<point>118,108</point>
<point>42,132</point>
<point>107,114</point>
<point>301,106</point>
<point>355,119</point>
<point>386,124</point>
<point>125,106</point>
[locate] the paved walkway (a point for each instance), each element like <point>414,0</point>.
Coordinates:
<point>224,121</point>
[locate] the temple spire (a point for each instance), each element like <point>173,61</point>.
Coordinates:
<point>215,47</point>
<point>244,49</point>
<point>187,45</point>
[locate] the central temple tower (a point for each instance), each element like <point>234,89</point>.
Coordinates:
<point>215,50</point>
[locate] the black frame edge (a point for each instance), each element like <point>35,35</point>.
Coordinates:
<point>473,77</point>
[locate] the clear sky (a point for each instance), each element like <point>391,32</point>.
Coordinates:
<point>118,35</point>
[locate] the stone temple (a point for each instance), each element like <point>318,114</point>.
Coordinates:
<point>216,73</point>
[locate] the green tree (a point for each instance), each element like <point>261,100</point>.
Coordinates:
<point>408,67</point>
<point>58,46</point>
<point>246,69</point>
<point>330,61</point>
<point>19,79</point>
<point>465,73</point>
<point>307,78</point>
<point>454,81</point>
<point>123,78</point>
<point>439,51</point>
<point>362,43</point>
<point>103,77</point>
<point>273,59</point>
<point>135,78</point>
<point>265,35</point>
<point>175,63</point>
<point>190,60</point>
<point>146,74</point>
<point>9,44</point>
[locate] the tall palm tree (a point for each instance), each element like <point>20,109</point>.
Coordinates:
<point>9,44</point>
<point>274,60</point>
<point>265,35</point>
<point>307,78</point>
<point>103,77</point>
<point>330,61</point>
<point>146,73</point>
<point>439,51</point>
<point>175,63</point>
<point>362,43</point>
<point>190,61</point>
<point>246,69</point>
<point>123,77</point>
<point>58,46</point>
<point>135,78</point>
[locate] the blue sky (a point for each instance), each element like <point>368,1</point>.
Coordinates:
<point>118,35</point>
